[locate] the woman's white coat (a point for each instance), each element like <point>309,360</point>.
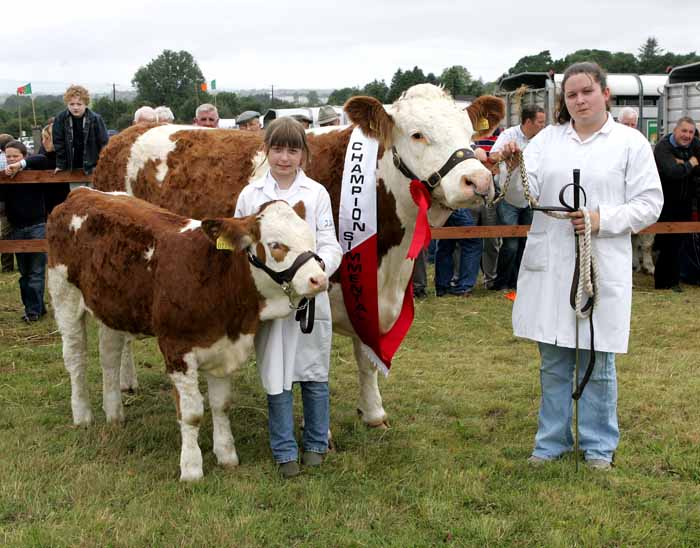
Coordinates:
<point>620,179</point>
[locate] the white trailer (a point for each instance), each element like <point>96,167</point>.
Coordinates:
<point>681,96</point>
<point>627,90</point>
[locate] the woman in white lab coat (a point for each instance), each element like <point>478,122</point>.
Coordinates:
<point>624,195</point>
<point>284,354</point>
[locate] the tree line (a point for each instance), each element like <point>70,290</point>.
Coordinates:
<point>174,79</point>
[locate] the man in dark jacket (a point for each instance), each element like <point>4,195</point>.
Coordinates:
<point>78,133</point>
<point>677,158</point>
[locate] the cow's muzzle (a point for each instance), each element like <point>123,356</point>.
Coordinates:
<point>306,307</point>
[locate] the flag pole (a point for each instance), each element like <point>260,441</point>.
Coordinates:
<point>19,113</point>
<point>33,109</point>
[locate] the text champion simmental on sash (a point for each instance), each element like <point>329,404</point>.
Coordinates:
<point>357,226</point>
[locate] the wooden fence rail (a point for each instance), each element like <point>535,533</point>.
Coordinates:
<point>445,233</point>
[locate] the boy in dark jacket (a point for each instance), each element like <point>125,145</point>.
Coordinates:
<point>78,133</point>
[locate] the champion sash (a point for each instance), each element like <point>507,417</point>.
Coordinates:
<point>357,227</point>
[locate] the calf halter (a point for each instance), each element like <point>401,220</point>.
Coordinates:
<point>431,183</point>
<point>305,311</point>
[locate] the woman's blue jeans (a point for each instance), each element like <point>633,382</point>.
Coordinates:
<point>598,429</point>
<point>315,399</point>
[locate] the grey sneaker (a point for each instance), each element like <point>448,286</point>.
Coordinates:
<point>310,458</point>
<point>289,469</point>
<point>598,464</point>
<point>537,461</point>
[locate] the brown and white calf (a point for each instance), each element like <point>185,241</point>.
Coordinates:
<point>142,270</point>
<point>200,172</point>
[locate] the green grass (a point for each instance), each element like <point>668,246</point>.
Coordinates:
<point>462,400</point>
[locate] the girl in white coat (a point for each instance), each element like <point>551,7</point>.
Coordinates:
<point>624,196</point>
<point>284,354</point>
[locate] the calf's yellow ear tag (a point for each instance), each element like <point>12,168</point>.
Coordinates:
<point>482,124</point>
<point>223,243</point>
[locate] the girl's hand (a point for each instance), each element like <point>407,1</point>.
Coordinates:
<point>579,224</point>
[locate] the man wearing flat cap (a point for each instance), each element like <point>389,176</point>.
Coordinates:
<point>249,121</point>
<point>327,116</point>
<point>304,119</point>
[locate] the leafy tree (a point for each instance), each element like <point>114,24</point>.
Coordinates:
<point>456,80</point>
<point>312,98</point>
<point>111,111</point>
<point>377,89</point>
<point>611,62</point>
<point>339,96</point>
<point>173,79</point>
<point>540,62</point>
<point>402,80</point>
<point>228,104</point>
<point>649,50</point>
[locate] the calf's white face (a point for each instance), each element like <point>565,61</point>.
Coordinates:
<point>285,235</point>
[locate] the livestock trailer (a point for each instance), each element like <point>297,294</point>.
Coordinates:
<point>681,96</point>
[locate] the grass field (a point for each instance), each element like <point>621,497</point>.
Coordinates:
<point>462,399</point>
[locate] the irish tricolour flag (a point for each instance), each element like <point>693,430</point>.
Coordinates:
<point>25,90</point>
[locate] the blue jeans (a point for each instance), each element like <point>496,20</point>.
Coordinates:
<point>512,248</point>
<point>315,399</point>
<point>32,269</point>
<point>469,258</point>
<point>598,429</point>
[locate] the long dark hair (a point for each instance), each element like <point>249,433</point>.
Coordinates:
<point>593,70</point>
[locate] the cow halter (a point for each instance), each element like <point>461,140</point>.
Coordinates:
<point>305,310</point>
<point>432,182</point>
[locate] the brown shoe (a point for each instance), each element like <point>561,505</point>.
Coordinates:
<point>310,458</point>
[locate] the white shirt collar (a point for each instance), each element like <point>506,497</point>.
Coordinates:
<point>607,128</point>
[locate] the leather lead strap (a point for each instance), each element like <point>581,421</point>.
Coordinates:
<point>457,157</point>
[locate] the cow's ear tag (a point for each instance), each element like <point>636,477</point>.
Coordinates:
<point>223,243</point>
<point>482,124</point>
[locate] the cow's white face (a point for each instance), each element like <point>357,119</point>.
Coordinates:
<point>428,128</point>
<point>285,235</point>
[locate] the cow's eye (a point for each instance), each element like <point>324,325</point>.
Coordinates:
<point>418,136</point>
<point>275,245</point>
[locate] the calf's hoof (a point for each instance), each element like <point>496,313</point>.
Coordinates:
<point>82,419</point>
<point>228,461</point>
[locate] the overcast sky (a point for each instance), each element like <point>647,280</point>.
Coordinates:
<point>321,44</point>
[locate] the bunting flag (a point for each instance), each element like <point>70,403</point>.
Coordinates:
<point>25,90</point>
<point>203,86</point>
<point>213,85</point>
<point>357,224</point>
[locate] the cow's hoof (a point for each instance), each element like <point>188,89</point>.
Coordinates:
<point>380,422</point>
<point>117,419</point>
<point>191,475</point>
